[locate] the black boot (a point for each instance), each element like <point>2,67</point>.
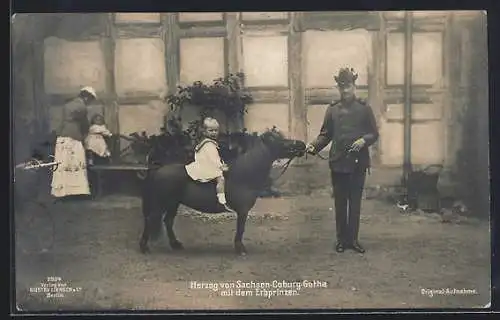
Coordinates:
<point>340,247</point>
<point>357,247</point>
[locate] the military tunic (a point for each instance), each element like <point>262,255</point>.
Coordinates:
<point>344,123</point>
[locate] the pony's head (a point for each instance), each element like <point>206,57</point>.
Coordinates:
<point>280,146</point>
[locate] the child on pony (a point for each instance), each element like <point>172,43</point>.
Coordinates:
<point>207,164</point>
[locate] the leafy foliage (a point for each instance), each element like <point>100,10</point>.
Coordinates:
<point>226,94</point>
<point>178,147</point>
<point>175,144</point>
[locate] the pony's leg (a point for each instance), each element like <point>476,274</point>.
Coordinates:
<point>240,229</point>
<point>168,220</point>
<point>143,244</point>
<point>152,218</point>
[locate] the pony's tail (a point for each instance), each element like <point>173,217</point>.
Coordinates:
<point>148,209</point>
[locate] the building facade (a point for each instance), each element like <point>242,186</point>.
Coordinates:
<point>289,58</point>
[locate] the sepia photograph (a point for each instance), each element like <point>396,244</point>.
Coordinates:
<point>175,161</point>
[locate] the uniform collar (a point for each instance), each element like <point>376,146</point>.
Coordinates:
<point>348,103</point>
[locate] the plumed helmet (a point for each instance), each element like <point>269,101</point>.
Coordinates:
<point>346,76</point>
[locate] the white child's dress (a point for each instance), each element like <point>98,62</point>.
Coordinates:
<point>95,140</point>
<point>207,164</point>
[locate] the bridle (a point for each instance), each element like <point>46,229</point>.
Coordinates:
<point>287,164</point>
<point>284,168</point>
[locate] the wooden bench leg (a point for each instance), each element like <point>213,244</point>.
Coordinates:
<point>97,184</point>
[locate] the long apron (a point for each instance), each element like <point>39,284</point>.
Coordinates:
<point>70,177</point>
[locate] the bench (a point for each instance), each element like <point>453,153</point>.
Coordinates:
<point>100,168</point>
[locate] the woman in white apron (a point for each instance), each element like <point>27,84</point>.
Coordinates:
<point>70,177</point>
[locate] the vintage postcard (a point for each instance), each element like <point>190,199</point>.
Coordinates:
<point>250,160</point>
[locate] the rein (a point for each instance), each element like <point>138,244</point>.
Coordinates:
<point>317,155</point>
<point>285,167</point>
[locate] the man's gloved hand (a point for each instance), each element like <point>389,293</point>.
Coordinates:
<point>357,145</point>
<point>310,149</point>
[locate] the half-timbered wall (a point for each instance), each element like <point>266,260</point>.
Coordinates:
<point>134,59</point>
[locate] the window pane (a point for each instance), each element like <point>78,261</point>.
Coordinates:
<point>264,116</point>
<point>395,58</point>
<point>138,118</point>
<point>201,59</point>
<point>426,143</point>
<point>326,52</point>
<point>140,66</point>
<point>391,143</point>
<point>427,58</point>
<point>142,17</point>
<point>199,16</point>
<point>264,15</point>
<point>265,61</point>
<point>71,65</point>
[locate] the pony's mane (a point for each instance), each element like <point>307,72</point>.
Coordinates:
<point>275,132</point>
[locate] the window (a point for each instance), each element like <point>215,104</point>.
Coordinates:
<point>325,52</point>
<point>140,66</point>
<point>265,61</point>
<point>427,58</point>
<point>201,59</point>
<point>69,65</point>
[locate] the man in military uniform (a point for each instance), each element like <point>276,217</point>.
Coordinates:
<point>350,125</point>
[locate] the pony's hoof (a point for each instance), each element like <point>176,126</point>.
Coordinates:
<point>241,250</point>
<point>145,249</point>
<point>176,245</point>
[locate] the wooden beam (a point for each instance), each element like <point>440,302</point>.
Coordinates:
<point>419,26</point>
<point>143,30</point>
<point>233,53</point>
<point>270,95</point>
<point>417,96</point>
<point>447,96</point>
<point>110,99</point>
<point>171,40</point>
<point>199,24</point>
<point>282,29</point>
<point>41,112</point>
<point>340,20</point>
<point>266,22</point>
<point>138,98</point>
<point>327,95</point>
<point>233,42</point>
<point>376,73</point>
<point>202,32</point>
<point>298,111</point>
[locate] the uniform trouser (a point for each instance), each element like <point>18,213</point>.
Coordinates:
<point>348,190</point>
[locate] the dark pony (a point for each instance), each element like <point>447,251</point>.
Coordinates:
<point>169,186</point>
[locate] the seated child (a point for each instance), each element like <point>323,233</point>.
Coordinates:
<point>95,143</point>
<point>208,164</point>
